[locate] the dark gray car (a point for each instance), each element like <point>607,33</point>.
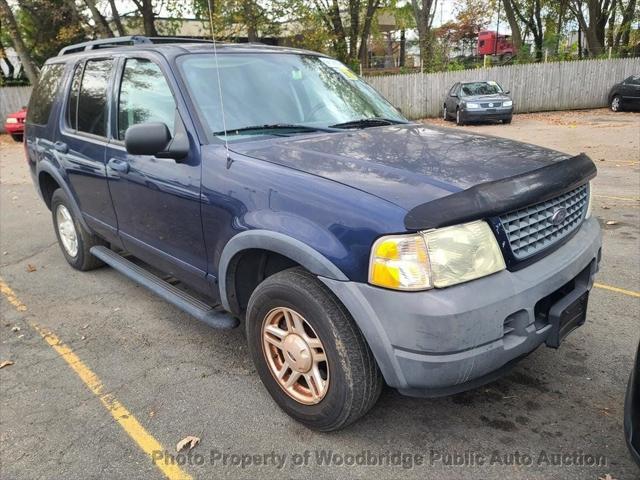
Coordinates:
<point>477,101</point>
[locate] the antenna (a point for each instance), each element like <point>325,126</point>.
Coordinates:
<point>215,55</point>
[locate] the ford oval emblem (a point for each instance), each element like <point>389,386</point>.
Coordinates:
<point>558,216</point>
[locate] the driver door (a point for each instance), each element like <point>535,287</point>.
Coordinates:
<point>156,200</point>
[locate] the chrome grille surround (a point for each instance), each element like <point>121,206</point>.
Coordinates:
<point>531,230</point>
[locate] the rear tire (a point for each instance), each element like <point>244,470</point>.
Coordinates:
<point>350,379</point>
<point>17,137</point>
<point>445,114</point>
<point>75,242</point>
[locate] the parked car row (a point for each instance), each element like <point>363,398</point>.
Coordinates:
<point>478,101</point>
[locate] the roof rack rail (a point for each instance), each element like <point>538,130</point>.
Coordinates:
<point>124,41</point>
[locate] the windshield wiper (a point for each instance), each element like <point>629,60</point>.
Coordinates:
<point>275,126</point>
<point>368,122</point>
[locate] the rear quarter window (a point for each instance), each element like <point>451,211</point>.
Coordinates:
<point>44,94</point>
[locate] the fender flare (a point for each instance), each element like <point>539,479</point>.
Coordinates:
<point>47,167</point>
<point>275,242</point>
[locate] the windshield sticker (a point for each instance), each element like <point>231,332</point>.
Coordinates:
<point>339,67</point>
<point>296,74</point>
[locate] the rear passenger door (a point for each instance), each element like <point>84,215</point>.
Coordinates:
<point>82,140</point>
<point>157,200</point>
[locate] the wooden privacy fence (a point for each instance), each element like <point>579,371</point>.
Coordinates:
<point>534,87</point>
<point>11,100</point>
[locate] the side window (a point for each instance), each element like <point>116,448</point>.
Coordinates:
<point>633,80</point>
<point>144,96</point>
<point>72,104</point>
<point>92,101</point>
<point>44,94</point>
<point>454,89</point>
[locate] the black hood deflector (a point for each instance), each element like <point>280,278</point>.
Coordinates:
<point>501,196</point>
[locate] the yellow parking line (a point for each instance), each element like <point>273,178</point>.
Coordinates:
<point>125,419</point>
<point>624,199</point>
<point>11,297</point>
<point>631,293</point>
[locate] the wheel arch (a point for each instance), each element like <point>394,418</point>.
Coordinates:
<point>48,178</point>
<point>274,251</point>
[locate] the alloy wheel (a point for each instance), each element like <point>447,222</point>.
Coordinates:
<point>295,355</point>
<point>67,230</point>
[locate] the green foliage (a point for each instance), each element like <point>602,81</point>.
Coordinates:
<point>46,27</point>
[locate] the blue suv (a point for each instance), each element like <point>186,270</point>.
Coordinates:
<point>273,187</point>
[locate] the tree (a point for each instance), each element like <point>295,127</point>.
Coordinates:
<point>624,31</point>
<point>514,24</point>
<point>102,27</point>
<point>9,22</point>
<point>594,23</point>
<point>116,18</point>
<point>349,41</point>
<point>529,14</point>
<point>423,11</point>
<point>145,7</point>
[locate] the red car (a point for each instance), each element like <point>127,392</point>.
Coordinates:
<point>14,124</point>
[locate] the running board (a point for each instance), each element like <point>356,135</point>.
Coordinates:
<point>185,302</point>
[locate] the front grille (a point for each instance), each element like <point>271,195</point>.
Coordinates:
<point>491,105</point>
<point>531,230</point>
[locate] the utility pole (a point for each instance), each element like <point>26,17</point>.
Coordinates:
<point>495,50</point>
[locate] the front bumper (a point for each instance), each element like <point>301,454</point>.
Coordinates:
<point>481,115</point>
<point>439,342</point>
<point>14,128</point>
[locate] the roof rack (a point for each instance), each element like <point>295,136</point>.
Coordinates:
<point>124,41</point>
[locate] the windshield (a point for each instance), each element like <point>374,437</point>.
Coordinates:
<point>279,89</point>
<point>480,88</point>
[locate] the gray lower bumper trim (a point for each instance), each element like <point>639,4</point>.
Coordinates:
<point>440,339</point>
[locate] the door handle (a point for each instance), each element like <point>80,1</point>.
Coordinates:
<point>118,165</point>
<point>61,147</point>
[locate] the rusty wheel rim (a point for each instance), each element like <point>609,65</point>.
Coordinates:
<point>295,355</point>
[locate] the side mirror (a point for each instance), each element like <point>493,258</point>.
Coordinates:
<point>507,92</point>
<point>155,139</point>
<point>454,95</point>
<point>147,138</point>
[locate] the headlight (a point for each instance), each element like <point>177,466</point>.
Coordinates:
<point>12,120</point>
<point>473,105</point>
<point>463,252</point>
<point>437,258</point>
<point>507,103</point>
<point>590,204</point>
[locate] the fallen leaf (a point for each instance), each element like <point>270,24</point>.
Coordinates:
<point>189,441</point>
<point>6,363</point>
<point>606,477</point>
<point>612,222</point>
<point>15,329</point>
<point>605,207</point>
<point>31,268</point>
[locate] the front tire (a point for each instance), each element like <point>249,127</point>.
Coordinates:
<point>309,353</point>
<point>616,103</point>
<point>459,120</point>
<point>75,242</point>
<point>507,120</point>
<point>17,137</point>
